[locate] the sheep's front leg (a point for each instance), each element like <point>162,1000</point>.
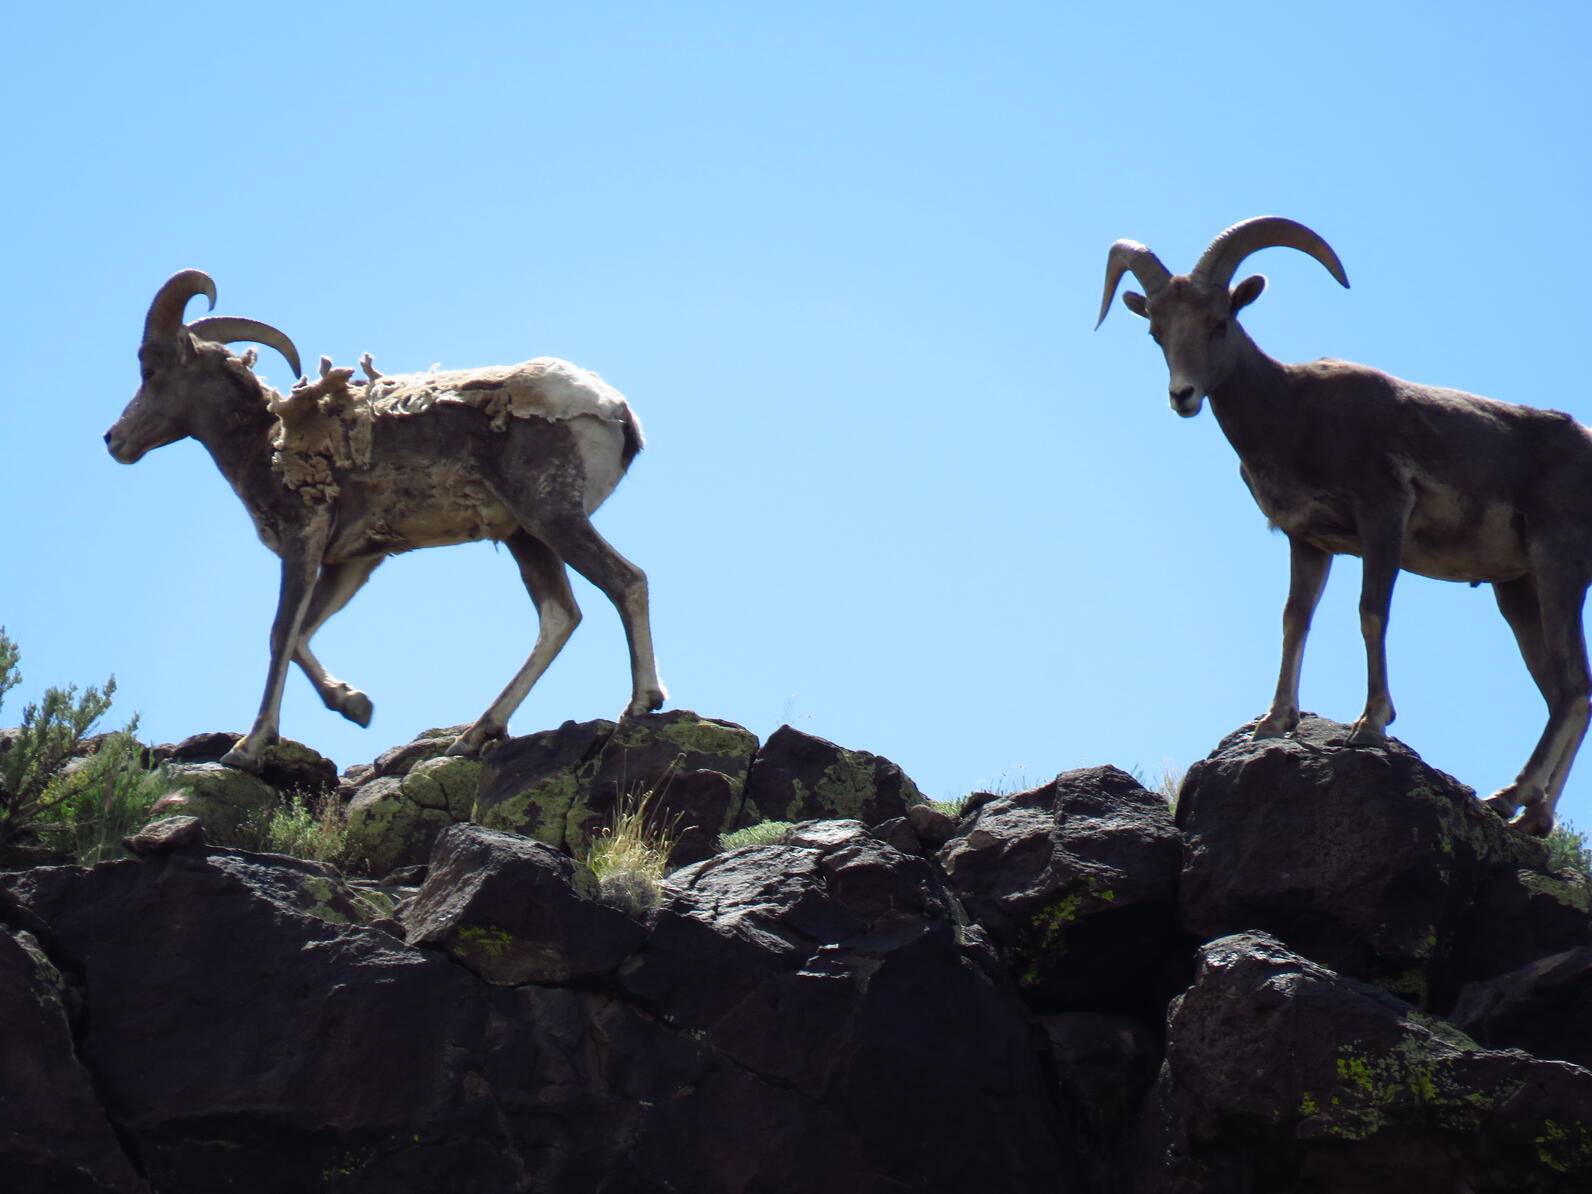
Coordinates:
<point>1308,567</point>
<point>299,570</point>
<point>1383,545</point>
<point>334,588</point>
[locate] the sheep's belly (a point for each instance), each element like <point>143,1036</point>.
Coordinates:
<point>1441,543</point>
<point>462,511</point>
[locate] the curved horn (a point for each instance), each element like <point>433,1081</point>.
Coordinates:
<point>165,313</point>
<point>224,329</point>
<point>1146,266</point>
<point>1226,253</point>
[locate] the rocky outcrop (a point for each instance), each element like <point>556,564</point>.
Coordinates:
<point>1282,1075</point>
<point>794,1012</point>
<point>1077,882</point>
<point>1328,969</point>
<point>1367,861</point>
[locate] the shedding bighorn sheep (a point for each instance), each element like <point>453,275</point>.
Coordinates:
<point>338,475</point>
<point>1347,460</point>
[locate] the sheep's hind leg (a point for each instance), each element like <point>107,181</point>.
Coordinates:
<point>1567,685</point>
<point>1517,601</point>
<point>587,552</point>
<point>333,590</point>
<point>558,615</point>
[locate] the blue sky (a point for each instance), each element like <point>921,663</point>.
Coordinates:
<point>844,260</point>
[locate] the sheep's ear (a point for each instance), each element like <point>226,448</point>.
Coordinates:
<point>1247,292</point>
<point>1134,301</point>
<point>186,348</point>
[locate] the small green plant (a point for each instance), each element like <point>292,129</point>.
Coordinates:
<point>1568,850</point>
<point>302,827</point>
<point>951,808</point>
<point>52,731</point>
<point>764,833</point>
<point>631,856</point>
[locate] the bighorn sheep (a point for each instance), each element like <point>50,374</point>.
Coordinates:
<point>339,475</point>
<point>1347,460</point>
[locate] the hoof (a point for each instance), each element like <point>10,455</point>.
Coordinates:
<point>356,706</point>
<point>475,740</point>
<point>1535,819</point>
<point>242,759</point>
<point>1364,734</point>
<point>1275,725</point>
<point>645,702</point>
<point>1501,803</point>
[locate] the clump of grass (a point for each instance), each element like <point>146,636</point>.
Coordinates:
<point>630,856</point>
<point>302,827</point>
<point>1568,850</point>
<point>764,833</point>
<point>1170,784</point>
<point>951,808</point>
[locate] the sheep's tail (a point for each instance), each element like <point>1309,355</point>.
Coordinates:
<point>633,440</point>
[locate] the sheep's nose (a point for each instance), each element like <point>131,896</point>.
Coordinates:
<point>1181,395</point>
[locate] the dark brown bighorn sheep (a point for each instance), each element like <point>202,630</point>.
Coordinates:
<point>1347,460</point>
<point>339,475</point>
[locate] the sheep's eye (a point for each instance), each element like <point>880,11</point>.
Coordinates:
<point>1218,328</point>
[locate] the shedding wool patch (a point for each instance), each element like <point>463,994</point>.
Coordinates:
<point>328,424</point>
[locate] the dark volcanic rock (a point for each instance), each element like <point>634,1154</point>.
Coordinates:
<point>797,777</point>
<point>514,910</point>
<point>1362,858</point>
<point>802,1019</point>
<point>197,748</point>
<point>287,765</point>
<point>1519,915</point>
<point>1281,1075</point>
<point>242,1038</point>
<point>565,786</point>
<point>530,784</point>
<point>400,760</point>
<point>54,1137</point>
<point>166,833</point>
<point>694,769</point>
<point>1544,1008</point>
<point>1076,880</point>
<point>1104,1067</point>
<point>765,951</point>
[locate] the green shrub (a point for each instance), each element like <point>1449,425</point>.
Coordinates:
<point>96,801</point>
<point>33,790</point>
<point>1568,850</point>
<point>764,833</point>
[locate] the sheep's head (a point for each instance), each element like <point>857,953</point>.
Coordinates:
<point>1192,315</point>
<point>179,366</point>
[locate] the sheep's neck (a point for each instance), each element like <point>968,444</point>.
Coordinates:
<point>237,433</point>
<point>1254,404</point>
